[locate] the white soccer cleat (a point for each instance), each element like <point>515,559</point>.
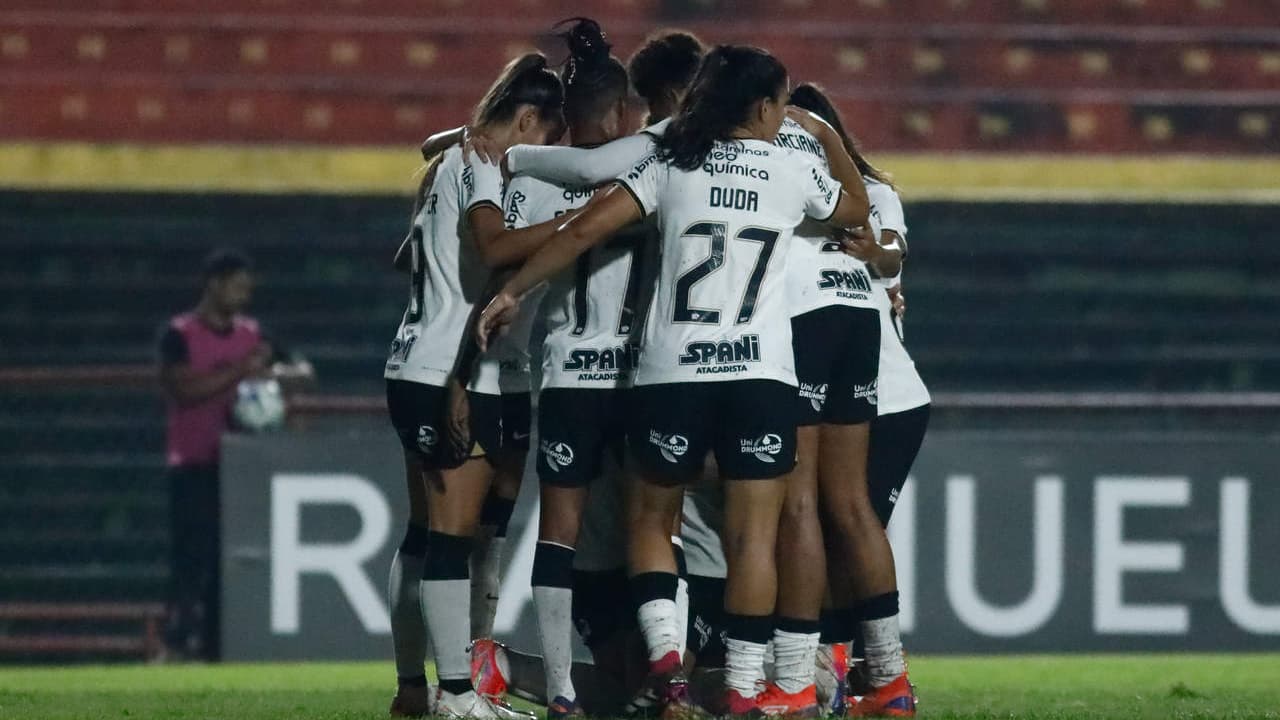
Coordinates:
<point>471,705</point>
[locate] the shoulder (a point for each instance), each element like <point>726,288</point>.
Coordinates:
<point>657,129</point>
<point>879,193</point>
<point>246,324</point>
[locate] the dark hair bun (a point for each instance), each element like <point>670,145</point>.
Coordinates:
<point>588,48</point>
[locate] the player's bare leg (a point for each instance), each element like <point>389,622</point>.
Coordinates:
<point>802,579</point>
<point>862,553</point>
<point>752,512</point>
<point>408,629</point>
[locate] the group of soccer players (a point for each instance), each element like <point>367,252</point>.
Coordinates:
<point>726,412</point>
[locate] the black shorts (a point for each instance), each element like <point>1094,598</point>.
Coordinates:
<point>501,423</point>
<point>895,442</point>
<point>837,351</point>
<point>706,620</point>
<point>419,413</point>
<point>576,427</point>
<point>748,424</point>
<point>602,605</point>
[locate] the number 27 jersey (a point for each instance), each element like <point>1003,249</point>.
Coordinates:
<point>721,310</point>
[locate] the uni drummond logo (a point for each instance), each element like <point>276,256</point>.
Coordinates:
<point>427,438</point>
<point>764,447</point>
<point>558,454</point>
<point>671,446</point>
<point>816,394</point>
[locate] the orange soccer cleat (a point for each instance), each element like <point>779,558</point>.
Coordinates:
<point>739,706</point>
<point>487,675</point>
<point>776,702</point>
<point>897,699</point>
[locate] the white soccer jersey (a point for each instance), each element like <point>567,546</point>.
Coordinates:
<point>900,387</point>
<point>448,272</point>
<point>591,308</point>
<point>820,274</point>
<point>721,311</point>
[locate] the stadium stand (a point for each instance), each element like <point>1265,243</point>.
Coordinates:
<point>1111,75</point>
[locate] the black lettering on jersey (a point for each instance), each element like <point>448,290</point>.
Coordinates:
<point>641,166</point>
<point>622,358</point>
<point>572,194</point>
<point>705,352</point>
<point>800,142</point>
<point>821,182</point>
<point>513,207</point>
<point>735,199</point>
<point>832,279</point>
<point>468,180</point>
<point>737,169</point>
<point>430,203</point>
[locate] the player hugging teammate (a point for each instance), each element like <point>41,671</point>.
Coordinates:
<point>711,287</point>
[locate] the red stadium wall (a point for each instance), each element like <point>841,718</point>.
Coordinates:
<point>981,75</point>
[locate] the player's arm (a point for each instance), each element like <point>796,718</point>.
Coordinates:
<point>502,247</point>
<point>187,386</point>
<point>606,213</point>
<point>577,167</point>
<point>294,371</point>
<point>442,141</point>
<point>854,196</point>
<point>893,234</point>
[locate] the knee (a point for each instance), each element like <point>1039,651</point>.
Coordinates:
<point>799,508</point>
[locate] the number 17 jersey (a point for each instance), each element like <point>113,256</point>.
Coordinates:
<point>592,338</point>
<point>721,310</point>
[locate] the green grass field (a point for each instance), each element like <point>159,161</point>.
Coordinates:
<point>1147,686</point>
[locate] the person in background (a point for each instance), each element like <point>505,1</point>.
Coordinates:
<point>204,354</point>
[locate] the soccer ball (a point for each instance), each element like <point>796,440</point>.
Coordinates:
<point>259,405</point>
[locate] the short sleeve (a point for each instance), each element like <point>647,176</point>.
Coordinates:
<point>821,193</point>
<point>644,182</point>
<point>887,207</point>
<point>481,184</point>
<point>517,203</point>
<point>172,348</point>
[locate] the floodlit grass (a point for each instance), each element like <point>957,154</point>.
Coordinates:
<point>1132,686</point>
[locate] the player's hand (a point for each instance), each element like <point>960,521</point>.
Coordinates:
<point>809,121</point>
<point>897,300</point>
<point>481,146</point>
<point>459,421</point>
<point>860,244</point>
<point>505,167</point>
<point>258,363</point>
<point>497,316</point>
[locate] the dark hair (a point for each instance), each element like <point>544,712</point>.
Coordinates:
<point>731,80</point>
<point>811,97</point>
<point>668,60</point>
<point>593,79</point>
<point>223,262</point>
<point>524,81</point>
